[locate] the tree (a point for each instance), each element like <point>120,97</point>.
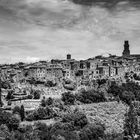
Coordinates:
<point>37,94</point>
<point>92,132</point>
<point>4,117</point>
<point>49,101</point>
<point>91,96</point>
<point>22,113</point>
<point>10,95</point>
<point>16,109</point>
<point>43,102</point>
<point>50,84</point>
<point>131,122</point>
<point>68,98</point>
<point>78,119</point>
<point>13,123</point>
<point>1,104</point>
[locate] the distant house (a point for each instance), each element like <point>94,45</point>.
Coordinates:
<point>38,72</point>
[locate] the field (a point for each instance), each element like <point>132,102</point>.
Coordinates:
<point>110,113</point>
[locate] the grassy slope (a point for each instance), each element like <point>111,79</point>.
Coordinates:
<point>109,113</point>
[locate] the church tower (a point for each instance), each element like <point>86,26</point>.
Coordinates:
<point>126,51</point>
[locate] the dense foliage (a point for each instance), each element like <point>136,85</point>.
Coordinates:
<point>11,121</point>
<point>131,122</point>
<point>68,98</point>
<point>37,94</point>
<point>127,92</point>
<point>41,113</point>
<point>78,119</point>
<point>91,96</point>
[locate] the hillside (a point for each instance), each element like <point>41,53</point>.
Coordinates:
<point>109,113</point>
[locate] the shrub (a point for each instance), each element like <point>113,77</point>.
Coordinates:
<point>91,96</point>
<point>68,98</point>
<point>64,135</point>
<point>41,113</point>
<point>92,131</point>
<point>78,119</point>
<point>58,103</point>
<point>126,92</point>
<point>10,95</point>
<point>49,101</point>
<point>127,97</point>
<point>31,117</point>
<point>16,109</point>
<point>13,123</point>
<point>115,90</point>
<point>9,103</point>
<point>50,84</point>
<point>131,122</point>
<point>43,103</point>
<point>68,126</point>
<point>4,117</point>
<point>30,96</point>
<point>37,94</point>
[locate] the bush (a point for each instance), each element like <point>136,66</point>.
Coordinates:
<point>30,96</point>
<point>31,117</point>
<point>49,101</point>
<point>131,122</point>
<point>68,98</point>
<point>37,94</point>
<point>13,123</point>
<point>16,109</point>
<point>10,95</point>
<point>127,97</point>
<point>115,90</point>
<point>5,85</point>
<point>91,96</point>
<point>50,84</point>
<point>64,135</point>
<point>4,117</point>
<point>78,119</point>
<point>46,102</point>
<point>9,103</point>
<point>58,103</point>
<point>126,92</point>
<point>92,131</point>
<point>41,113</point>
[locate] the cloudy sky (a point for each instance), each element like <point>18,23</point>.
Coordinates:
<point>32,30</point>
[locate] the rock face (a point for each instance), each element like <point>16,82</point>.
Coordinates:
<point>109,113</point>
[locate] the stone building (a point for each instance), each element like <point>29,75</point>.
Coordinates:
<point>54,71</point>
<point>38,72</point>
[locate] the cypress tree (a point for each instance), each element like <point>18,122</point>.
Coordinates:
<point>22,113</point>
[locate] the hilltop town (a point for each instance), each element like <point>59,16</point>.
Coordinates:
<point>55,71</point>
<point>98,90</point>
<point>55,77</point>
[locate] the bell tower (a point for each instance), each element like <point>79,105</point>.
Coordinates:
<point>126,51</point>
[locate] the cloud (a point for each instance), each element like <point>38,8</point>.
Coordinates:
<point>48,29</point>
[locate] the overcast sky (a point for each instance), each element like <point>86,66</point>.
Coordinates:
<point>32,30</point>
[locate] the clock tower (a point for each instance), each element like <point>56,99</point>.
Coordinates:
<point>126,52</point>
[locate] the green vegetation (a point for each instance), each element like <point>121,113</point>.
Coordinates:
<point>41,114</point>
<point>68,98</point>
<point>91,96</point>
<point>127,92</point>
